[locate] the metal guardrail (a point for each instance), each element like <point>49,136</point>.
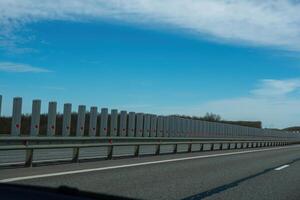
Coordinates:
<point>29,144</point>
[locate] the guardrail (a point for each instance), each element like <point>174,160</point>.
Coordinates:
<point>29,144</point>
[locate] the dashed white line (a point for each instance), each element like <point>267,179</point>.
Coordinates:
<point>136,164</point>
<point>282,167</point>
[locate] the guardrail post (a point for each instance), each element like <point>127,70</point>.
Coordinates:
<point>28,157</point>
<point>35,118</point>
<point>228,146</point>
<point>212,147</point>
<point>67,119</point>
<point>51,121</point>
<point>137,150</point>
<point>221,146</point>
<point>16,116</point>
<point>235,145</point>
<point>110,150</point>
<point>157,151</point>
<point>93,121</point>
<point>80,121</point>
<point>103,122</point>
<point>201,147</point>
<point>190,147</point>
<point>175,148</point>
<point>75,154</point>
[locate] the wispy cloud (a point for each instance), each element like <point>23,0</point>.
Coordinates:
<point>20,68</point>
<point>253,22</point>
<point>276,88</point>
<point>274,102</point>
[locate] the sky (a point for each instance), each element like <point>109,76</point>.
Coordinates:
<point>239,59</point>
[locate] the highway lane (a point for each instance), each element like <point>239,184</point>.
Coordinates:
<point>242,174</point>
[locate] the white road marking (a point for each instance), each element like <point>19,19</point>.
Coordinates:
<point>136,164</point>
<point>282,167</point>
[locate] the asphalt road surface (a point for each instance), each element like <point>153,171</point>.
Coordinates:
<point>265,173</point>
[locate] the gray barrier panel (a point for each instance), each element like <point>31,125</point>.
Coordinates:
<point>35,118</point>
<point>80,120</point>
<point>51,121</point>
<point>16,116</point>
<point>170,126</point>
<point>139,125</point>
<point>67,119</point>
<point>194,127</point>
<point>166,126</point>
<point>160,126</point>
<point>0,104</point>
<point>153,125</point>
<point>123,123</point>
<point>93,121</point>
<point>114,122</point>
<point>103,122</point>
<point>131,124</point>
<point>181,126</point>
<point>178,126</point>
<point>186,127</point>
<point>146,128</point>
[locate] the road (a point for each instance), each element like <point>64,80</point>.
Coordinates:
<point>266,173</point>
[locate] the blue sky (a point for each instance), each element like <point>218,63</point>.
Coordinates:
<point>239,59</point>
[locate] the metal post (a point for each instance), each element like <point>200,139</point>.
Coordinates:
<point>190,147</point>
<point>35,118</point>
<point>51,123</point>
<point>28,157</point>
<point>75,154</point>
<point>67,119</point>
<point>201,147</point>
<point>103,122</point>
<point>16,116</point>
<point>137,150</point>
<point>212,147</point>
<point>110,151</point>
<point>175,148</point>
<point>80,121</point>
<point>157,151</point>
<point>93,121</point>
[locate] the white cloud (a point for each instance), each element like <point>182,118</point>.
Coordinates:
<point>20,68</point>
<point>274,102</point>
<point>256,22</point>
<point>275,88</point>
